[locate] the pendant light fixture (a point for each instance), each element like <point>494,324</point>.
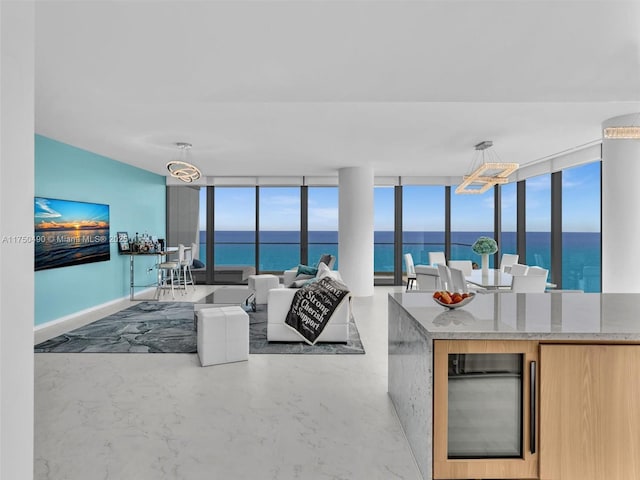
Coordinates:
<point>624,132</point>
<point>181,168</point>
<point>488,173</point>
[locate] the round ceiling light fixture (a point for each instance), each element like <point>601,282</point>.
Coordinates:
<point>182,169</point>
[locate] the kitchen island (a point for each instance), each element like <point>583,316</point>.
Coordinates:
<point>560,320</point>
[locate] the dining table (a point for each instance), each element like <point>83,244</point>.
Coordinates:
<point>493,279</point>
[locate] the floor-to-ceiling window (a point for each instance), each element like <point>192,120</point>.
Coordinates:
<point>422,222</point>
<point>471,217</point>
<point>581,254</point>
<point>423,225</point>
<point>234,228</point>
<point>322,221</point>
<point>202,227</point>
<point>538,221</point>
<point>383,235</point>
<point>279,246</point>
<point>509,217</point>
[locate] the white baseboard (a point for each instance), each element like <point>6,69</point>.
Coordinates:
<point>78,319</point>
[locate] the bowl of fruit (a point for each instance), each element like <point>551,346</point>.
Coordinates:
<point>452,300</point>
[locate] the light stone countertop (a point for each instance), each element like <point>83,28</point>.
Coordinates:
<point>557,316</point>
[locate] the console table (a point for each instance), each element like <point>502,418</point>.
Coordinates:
<point>132,281</point>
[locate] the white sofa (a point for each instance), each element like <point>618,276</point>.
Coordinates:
<point>279,301</point>
<point>289,276</point>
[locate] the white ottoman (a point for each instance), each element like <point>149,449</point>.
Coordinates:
<point>223,335</point>
<point>260,285</point>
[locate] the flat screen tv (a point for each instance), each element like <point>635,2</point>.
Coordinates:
<point>70,233</point>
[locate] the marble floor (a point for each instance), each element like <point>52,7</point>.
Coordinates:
<point>124,416</point>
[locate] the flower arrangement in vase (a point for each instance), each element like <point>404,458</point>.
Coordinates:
<point>485,246</point>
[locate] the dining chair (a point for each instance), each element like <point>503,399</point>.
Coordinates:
<point>528,284</point>
<point>445,277</point>
<point>538,271</point>
<point>411,270</point>
<point>507,260</point>
<point>437,257</point>
<point>519,269</point>
<point>427,277</point>
<point>465,265</point>
<point>459,283</point>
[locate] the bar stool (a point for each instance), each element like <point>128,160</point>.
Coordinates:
<point>185,257</point>
<point>166,275</point>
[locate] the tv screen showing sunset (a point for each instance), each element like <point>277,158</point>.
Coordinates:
<point>70,233</point>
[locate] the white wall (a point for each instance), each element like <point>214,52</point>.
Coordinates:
<point>16,253</point>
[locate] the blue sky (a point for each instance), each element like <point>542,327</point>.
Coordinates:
<point>423,206</point>
<point>50,213</point>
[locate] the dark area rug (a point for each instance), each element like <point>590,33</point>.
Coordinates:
<point>149,327</point>
<point>168,327</point>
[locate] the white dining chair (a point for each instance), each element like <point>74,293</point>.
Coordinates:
<point>411,270</point>
<point>427,277</point>
<point>445,277</point>
<point>528,284</point>
<point>538,271</point>
<point>507,260</point>
<point>458,282</point>
<point>437,257</point>
<point>519,269</point>
<point>465,265</point>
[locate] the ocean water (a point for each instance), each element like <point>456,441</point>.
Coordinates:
<point>62,248</point>
<point>280,250</point>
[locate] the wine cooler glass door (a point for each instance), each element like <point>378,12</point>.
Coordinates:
<point>485,405</point>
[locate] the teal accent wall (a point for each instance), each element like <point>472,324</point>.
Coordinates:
<point>136,200</point>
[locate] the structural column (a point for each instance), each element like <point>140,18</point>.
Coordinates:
<point>16,238</point>
<point>620,207</point>
<point>355,236</point>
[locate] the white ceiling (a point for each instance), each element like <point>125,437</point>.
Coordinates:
<point>307,87</point>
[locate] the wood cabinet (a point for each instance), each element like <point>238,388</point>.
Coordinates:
<point>589,412</point>
<point>486,408</point>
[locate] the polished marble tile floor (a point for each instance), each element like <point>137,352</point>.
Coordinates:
<point>126,416</point>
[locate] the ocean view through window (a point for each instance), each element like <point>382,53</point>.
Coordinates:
<point>423,220</point>
<point>234,227</point>
<point>279,213</point>
<point>471,217</point>
<point>581,238</point>
<point>383,233</point>
<point>538,219</point>
<point>323,223</point>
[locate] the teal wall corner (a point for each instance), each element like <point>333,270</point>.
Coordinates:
<point>136,200</point>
